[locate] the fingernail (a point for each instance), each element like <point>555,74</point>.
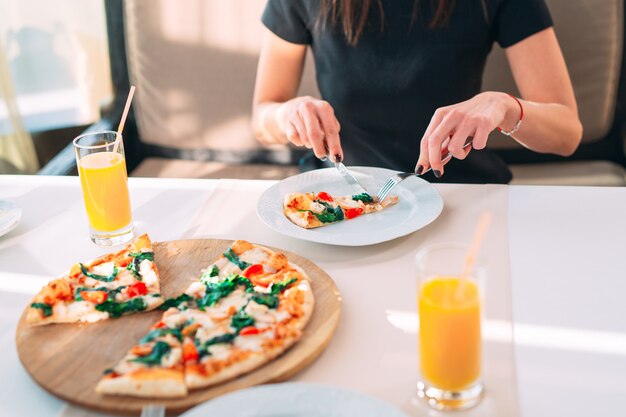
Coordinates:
<point>324,159</point>
<point>419,169</point>
<point>337,157</point>
<point>437,173</point>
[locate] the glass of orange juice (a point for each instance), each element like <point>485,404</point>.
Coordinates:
<point>102,171</point>
<point>450,343</point>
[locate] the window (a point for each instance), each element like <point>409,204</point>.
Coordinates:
<point>57,56</point>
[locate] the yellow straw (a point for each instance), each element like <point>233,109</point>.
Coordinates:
<point>118,136</point>
<point>479,234</point>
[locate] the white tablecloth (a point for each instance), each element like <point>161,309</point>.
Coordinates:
<point>567,277</point>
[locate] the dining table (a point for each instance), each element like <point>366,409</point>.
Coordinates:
<point>555,319</point>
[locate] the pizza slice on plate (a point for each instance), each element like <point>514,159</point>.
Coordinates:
<point>249,306</point>
<point>112,285</point>
<point>152,368</point>
<point>311,210</point>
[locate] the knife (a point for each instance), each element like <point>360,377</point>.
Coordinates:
<point>354,183</point>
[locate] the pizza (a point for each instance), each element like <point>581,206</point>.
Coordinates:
<point>110,286</point>
<point>152,368</point>
<point>311,210</point>
<point>247,308</point>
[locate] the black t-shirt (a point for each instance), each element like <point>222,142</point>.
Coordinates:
<point>386,89</point>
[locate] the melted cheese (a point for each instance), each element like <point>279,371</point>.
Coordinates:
<point>303,285</point>
<point>221,263</point>
<point>172,358</point>
<point>75,310</point>
<point>227,269</point>
<point>265,316</point>
<point>300,218</point>
<point>124,277</point>
<point>254,256</point>
<point>152,302</point>
<point>348,202</point>
<point>94,317</point>
<point>199,317</point>
<point>147,273</point>
<point>261,289</point>
<point>174,320</point>
<point>253,342</point>
<point>196,290</point>
<point>220,351</point>
<point>179,318</point>
<point>104,269</point>
<point>205,333</point>
<point>93,283</point>
<point>236,299</point>
<point>317,208</point>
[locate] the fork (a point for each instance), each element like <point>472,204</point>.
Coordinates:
<point>401,176</point>
<point>153,410</point>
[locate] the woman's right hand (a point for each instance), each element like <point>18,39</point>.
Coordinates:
<point>311,122</point>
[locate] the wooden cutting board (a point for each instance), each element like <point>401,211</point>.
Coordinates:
<point>67,360</point>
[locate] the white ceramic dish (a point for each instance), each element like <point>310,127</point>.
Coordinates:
<point>419,204</point>
<point>294,399</point>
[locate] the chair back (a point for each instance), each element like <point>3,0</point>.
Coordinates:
<point>591,34</point>
<point>194,66</point>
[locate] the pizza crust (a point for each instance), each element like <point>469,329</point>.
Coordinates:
<point>34,317</point>
<point>161,383</point>
<point>194,379</point>
<point>308,304</point>
<point>303,218</point>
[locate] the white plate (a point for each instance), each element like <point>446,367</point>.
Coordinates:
<point>419,204</point>
<point>10,216</point>
<point>294,399</point>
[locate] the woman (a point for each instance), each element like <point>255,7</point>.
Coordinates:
<point>394,71</point>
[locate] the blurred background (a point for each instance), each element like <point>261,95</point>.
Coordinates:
<point>54,77</point>
<point>66,66</point>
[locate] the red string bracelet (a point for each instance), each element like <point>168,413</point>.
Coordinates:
<point>519,122</point>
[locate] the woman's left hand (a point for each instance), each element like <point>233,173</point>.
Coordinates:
<point>451,126</point>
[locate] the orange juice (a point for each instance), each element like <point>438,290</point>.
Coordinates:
<point>105,190</point>
<point>449,336</point>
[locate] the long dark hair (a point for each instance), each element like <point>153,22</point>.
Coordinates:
<point>353,15</point>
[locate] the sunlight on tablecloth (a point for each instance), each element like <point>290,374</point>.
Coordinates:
<point>22,283</point>
<point>225,200</point>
